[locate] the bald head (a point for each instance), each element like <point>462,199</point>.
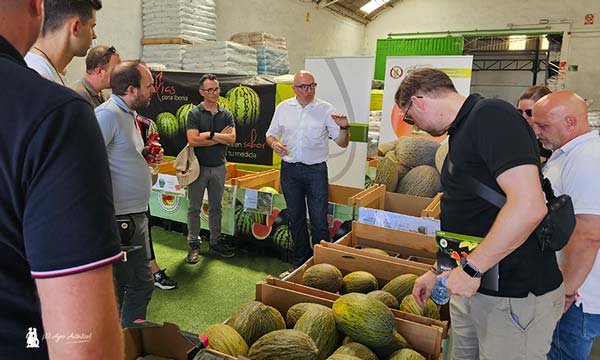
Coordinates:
<point>559,118</point>
<point>304,87</point>
<point>20,22</point>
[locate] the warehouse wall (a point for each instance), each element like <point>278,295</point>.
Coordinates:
<point>424,16</point>
<point>309,31</point>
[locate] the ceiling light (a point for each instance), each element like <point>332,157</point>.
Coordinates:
<point>372,5</point>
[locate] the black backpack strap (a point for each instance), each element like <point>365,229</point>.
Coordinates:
<point>476,186</point>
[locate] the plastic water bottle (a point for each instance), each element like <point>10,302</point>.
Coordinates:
<point>439,294</point>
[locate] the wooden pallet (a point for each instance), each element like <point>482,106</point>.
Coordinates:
<point>158,41</point>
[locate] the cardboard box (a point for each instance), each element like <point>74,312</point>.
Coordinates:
<point>384,270</point>
<point>404,247</point>
<point>165,340</point>
<point>427,339</point>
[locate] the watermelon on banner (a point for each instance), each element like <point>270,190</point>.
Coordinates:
<point>221,101</point>
<point>182,115</point>
<point>282,238</point>
<point>245,105</point>
<point>167,124</point>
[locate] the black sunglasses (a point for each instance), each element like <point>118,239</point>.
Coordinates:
<point>529,112</point>
<point>407,118</point>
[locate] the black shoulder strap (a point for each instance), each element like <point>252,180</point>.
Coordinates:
<point>479,188</point>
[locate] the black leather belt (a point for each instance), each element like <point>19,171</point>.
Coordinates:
<point>301,164</point>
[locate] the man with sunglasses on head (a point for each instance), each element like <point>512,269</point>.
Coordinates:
<point>489,142</point>
<point>68,31</point>
<point>99,64</point>
<point>210,128</point>
<point>305,124</point>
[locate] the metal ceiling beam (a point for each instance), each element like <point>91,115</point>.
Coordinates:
<point>325,3</point>
<point>347,13</point>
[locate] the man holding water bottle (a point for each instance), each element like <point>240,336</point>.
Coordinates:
<point>489,141</point>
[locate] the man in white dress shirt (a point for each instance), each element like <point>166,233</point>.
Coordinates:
<point>560,121</point>
<point>305,124</point>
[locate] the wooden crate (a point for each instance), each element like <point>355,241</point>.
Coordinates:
<point>258,180</point>
<point>384,270</point>
<point>378,198</point>
<point>434,209</point>
<point>159,41</point>
<point>403,244</point>
<point>425,338</point>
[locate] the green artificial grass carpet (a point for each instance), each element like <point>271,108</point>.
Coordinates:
<point>209,291</point>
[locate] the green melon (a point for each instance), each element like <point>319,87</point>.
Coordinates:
<point>245,105</point>
<point>406,354</point>
<point>387,171</point>
<point>385,297</point>
<point>324,277</point>
<point>421,181</point>
<point>284,344</point>
<point>409,305</point>
<point>321,327</point>
<point>413,151</point>
<point>401,286</point>
<point>167,125</point>
<point>296,311</point>
<point>343,357</point>
<point>431,310</point>
<point>366,320</point>
<point>397,343</point>
<point>245,219</point>
<point>440,156</point>
<point>268,189</point>
<point>255,319</point>
<point>375,251</point>
<point>360,282</point>
<point>182,115</point>
<point>225,339</point>
<point>387,147</point>
<point>223,102</point>
<point>260,231</point>
<point>282,237</point>
<point>356,349</point>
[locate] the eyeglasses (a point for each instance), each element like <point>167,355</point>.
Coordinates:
<point>529,112</point>
<point>407,118</point>
<point>212,90</point>
<point>305,87</point>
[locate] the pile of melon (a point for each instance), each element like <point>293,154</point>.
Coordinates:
<point>411,165</point>
<point>357,327</point>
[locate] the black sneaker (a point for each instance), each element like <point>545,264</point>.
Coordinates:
<point>222,251</point>
<point>193,253</point>
<point>162,281</point>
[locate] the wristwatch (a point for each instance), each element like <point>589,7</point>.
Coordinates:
<point>344,127</point>
<point>470,269</point>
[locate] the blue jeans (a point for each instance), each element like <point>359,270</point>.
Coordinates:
<point>574,335</point>
<point>305,185</point>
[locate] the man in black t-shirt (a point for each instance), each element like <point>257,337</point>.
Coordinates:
<point>489,141</point>
<point>210,128</point>
<point>58,234</point>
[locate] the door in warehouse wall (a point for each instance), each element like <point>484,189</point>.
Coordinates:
<point>345,82</point>
<point>458,68</point>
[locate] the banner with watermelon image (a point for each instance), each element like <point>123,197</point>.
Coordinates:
<point>252,225</point>
<point>250,99</point>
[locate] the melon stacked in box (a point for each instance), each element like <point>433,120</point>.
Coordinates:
<point>220,57</point>
<point>271,53</point>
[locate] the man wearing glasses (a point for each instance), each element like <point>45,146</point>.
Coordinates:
<point>99,64</point>
<point>68,31</point>
<point>210,128</point>
<point>489,141</point>
<point>305,124</point>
